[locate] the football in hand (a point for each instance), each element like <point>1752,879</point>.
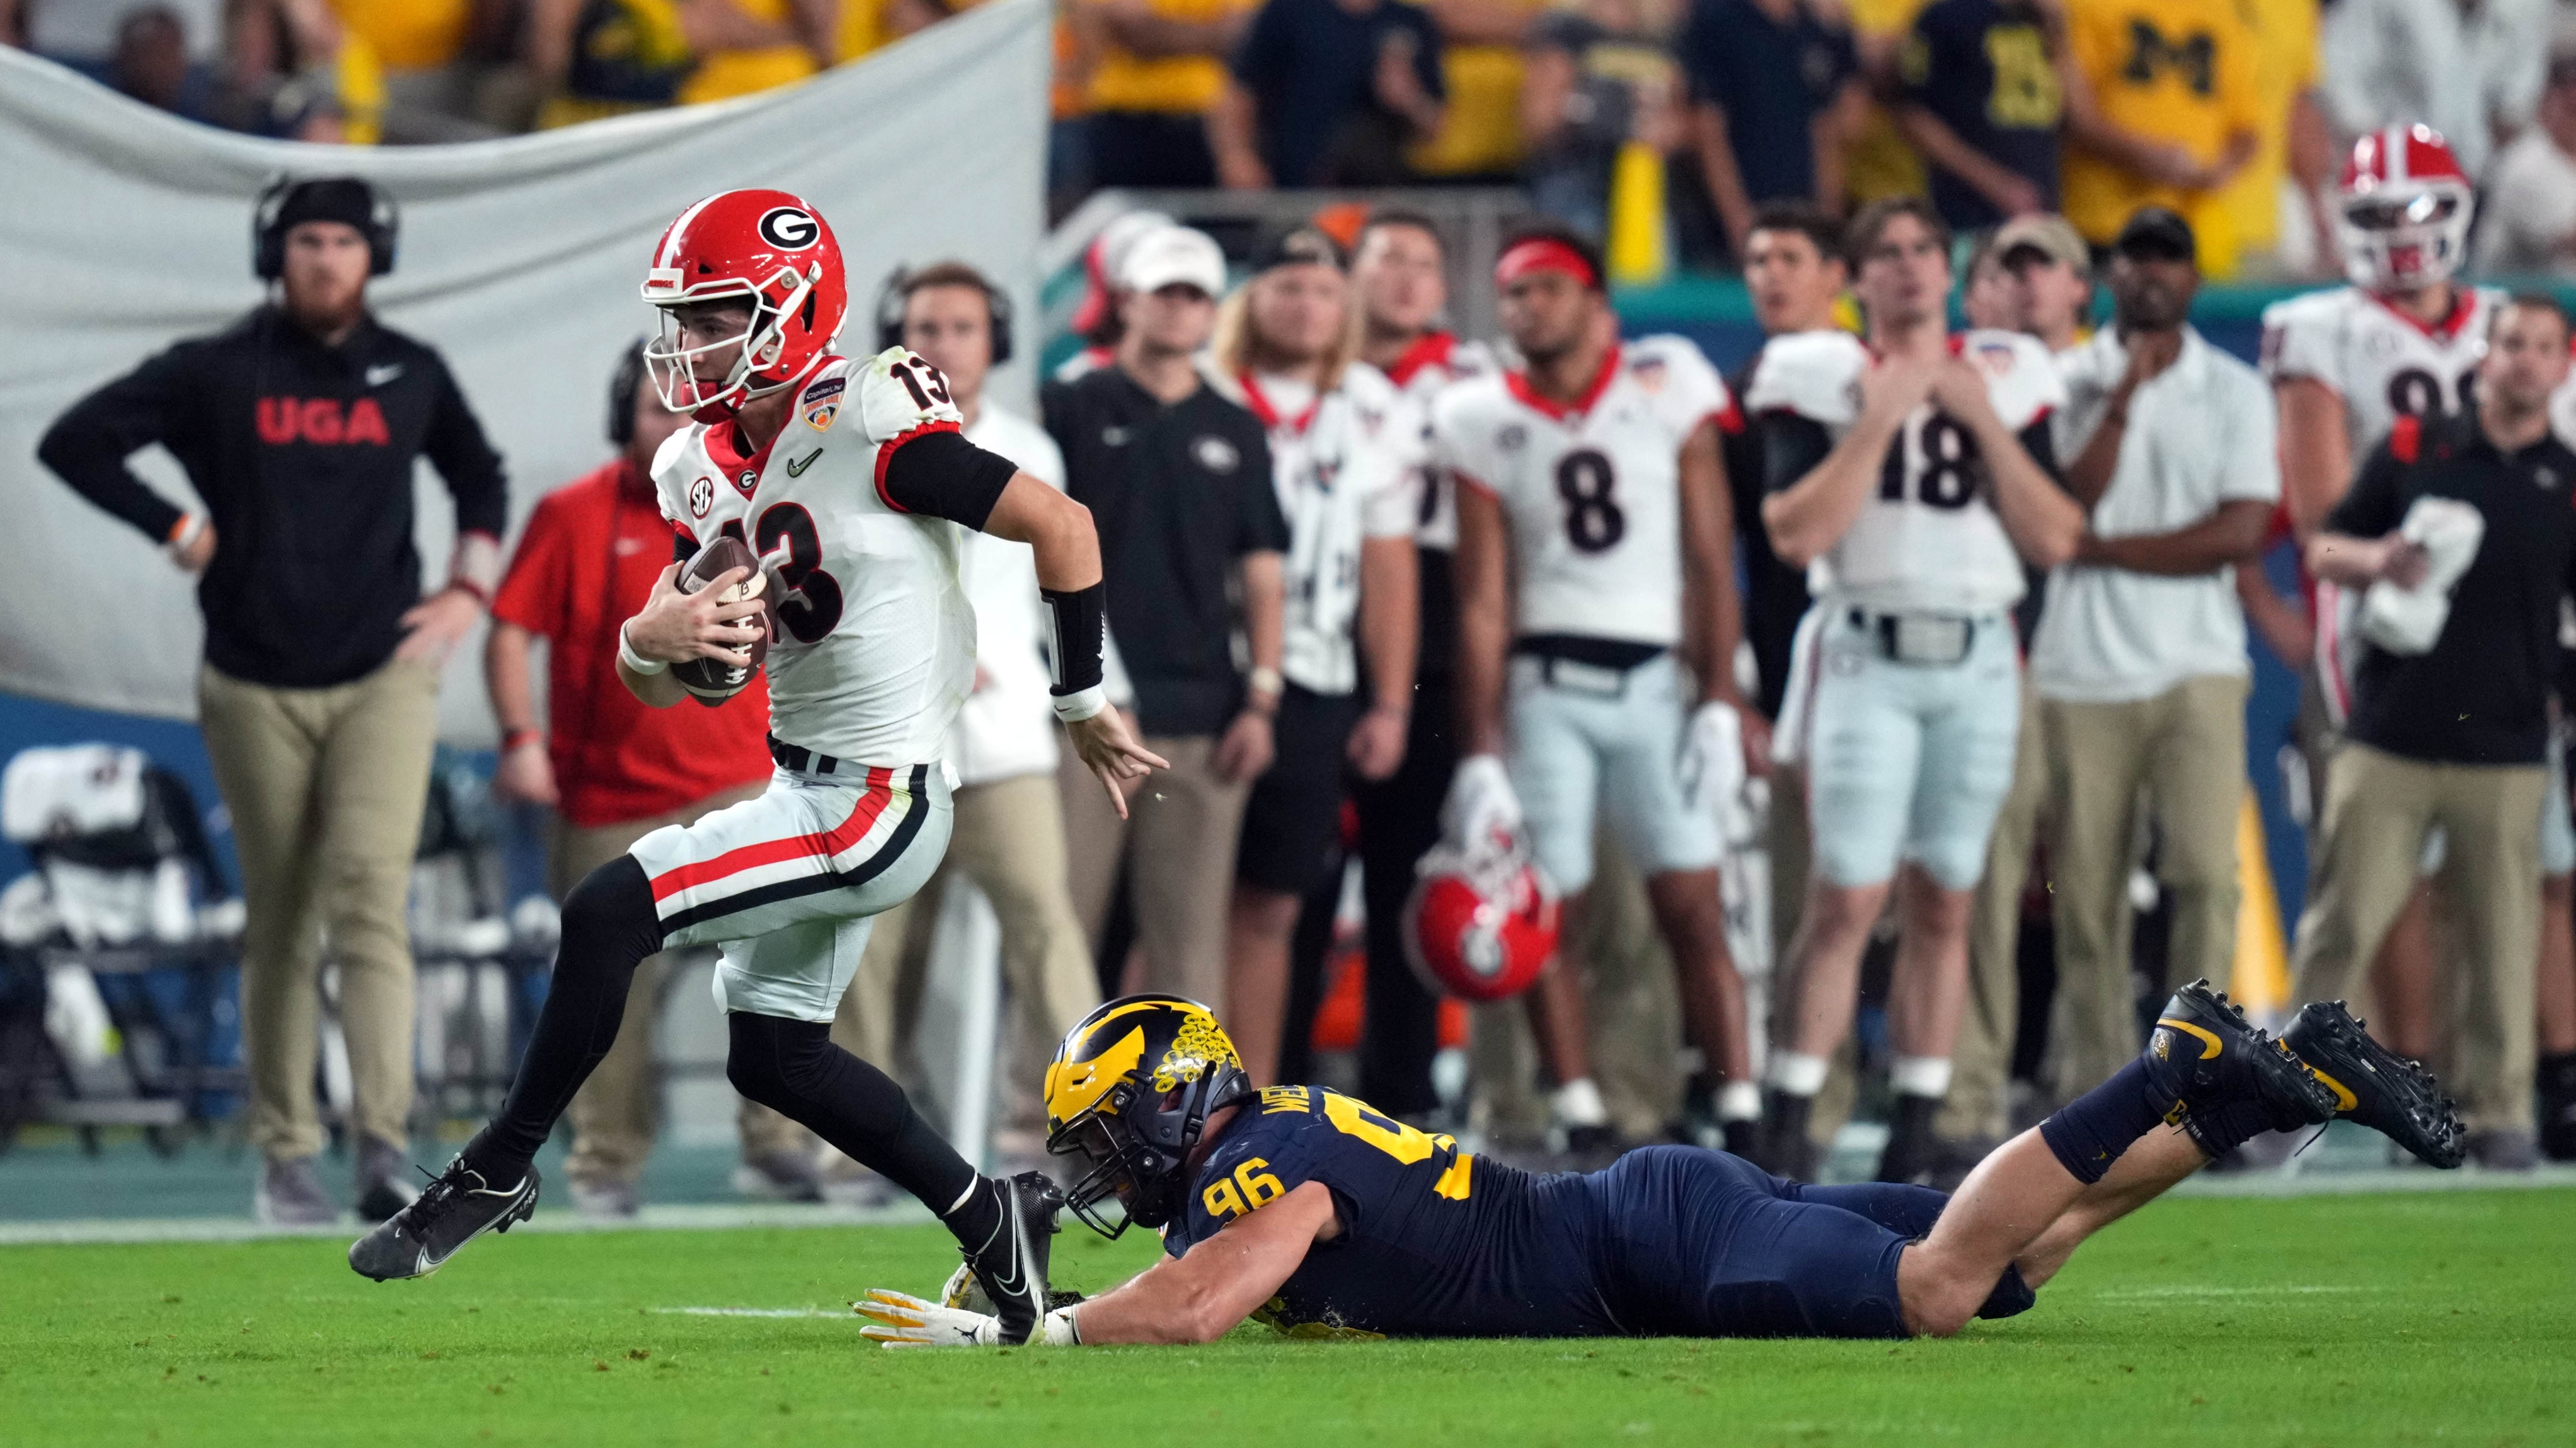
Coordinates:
<point>712,681</point>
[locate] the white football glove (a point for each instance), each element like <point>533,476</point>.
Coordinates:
<point>1711,767</point>
<point>899,1319</point>
<point>1482,805</point>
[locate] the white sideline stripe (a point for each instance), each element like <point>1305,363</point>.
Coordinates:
<point>745,1312</point>
<point>711,1217</point>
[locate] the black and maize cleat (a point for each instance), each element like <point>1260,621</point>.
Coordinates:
<point>2206,1055</point>
<point>451,1211</point>
<point>1011,1266</point>
<point>2375,1086</point>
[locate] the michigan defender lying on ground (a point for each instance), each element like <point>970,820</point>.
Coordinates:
<point>1309,1210</point>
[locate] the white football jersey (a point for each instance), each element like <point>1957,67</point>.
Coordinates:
<point>1347,466</point>
<point>1591,493</point>
<point>2383,363</point>
<point>876,645</point>
<point>1928,539</point>
<point>1426,370</point>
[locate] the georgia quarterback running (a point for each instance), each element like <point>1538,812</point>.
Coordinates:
<point>851,481</point>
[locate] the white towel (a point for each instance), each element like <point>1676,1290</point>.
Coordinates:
<point>2409,620</point>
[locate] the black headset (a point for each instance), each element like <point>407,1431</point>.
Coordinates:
<point>268,238</point>
<point>623,384</point>
<point>898,289</point>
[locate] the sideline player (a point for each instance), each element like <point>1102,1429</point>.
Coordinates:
<point>1912,474</point>
<point>2403,340</point>
<point>1345,458</point>
<point>1398,276</point>
<point>1313,1212</point>
<point>1592,544</point>
<point>852,480</point>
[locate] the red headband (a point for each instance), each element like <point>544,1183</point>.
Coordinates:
<point>1542,253</point>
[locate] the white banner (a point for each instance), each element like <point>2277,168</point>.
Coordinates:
<point>125,229</point>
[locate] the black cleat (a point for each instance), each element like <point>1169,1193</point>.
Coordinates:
<point>2204,1053</point>
<point>2375,1086</point>
<point>450,1212</point>
<point>1912,1150</point>
<point>1784,1148</point>
<point>1011,1266</point>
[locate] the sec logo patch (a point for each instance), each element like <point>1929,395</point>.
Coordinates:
<point>702,496</point>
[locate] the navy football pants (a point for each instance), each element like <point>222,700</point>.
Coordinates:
<point>1699,1243</point>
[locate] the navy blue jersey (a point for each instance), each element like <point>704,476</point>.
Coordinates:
<point>1435,1242</point>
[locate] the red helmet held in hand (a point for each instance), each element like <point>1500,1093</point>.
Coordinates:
<point>2404,212</point>
<point>770,250</point>
<point>1479,926</point>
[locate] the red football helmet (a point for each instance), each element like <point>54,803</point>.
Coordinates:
<point>2405,210</point>
<point>775,250</point>
<point>1479,926</point>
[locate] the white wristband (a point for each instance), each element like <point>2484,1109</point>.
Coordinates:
<point>1060,1331</point>
<point>1081,704</point>
<point>634,661</point>
<point>1266,681</point>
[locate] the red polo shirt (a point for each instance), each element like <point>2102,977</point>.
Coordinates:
<point>586,563</point>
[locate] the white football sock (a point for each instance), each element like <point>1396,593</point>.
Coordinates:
<point>1739,1101</point>
<point>1797,1074</point>
<point>1920,1076</point>
<point>1578,1103</point>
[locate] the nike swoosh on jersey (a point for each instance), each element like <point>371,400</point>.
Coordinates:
<point>379,376</point>
<point>796,467</point>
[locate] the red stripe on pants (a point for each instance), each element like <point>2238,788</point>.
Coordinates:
<point>872,803</point>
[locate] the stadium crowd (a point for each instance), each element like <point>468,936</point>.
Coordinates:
<point>1687,112</point>
<point>1974,612</point>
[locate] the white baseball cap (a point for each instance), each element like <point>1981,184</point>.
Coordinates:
<point>1171,256</point>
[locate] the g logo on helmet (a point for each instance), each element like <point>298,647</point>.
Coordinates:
<point>789,229</point>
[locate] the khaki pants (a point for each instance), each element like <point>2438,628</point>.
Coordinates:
<point>2181,753</point>
<point>2370,843</point>
<point>1975,1109</point>
<point>618,1111</point>
<point>325,787</point>
<point>1009,840</point>
<point>1178,846</point>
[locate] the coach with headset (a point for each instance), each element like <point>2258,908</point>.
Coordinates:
<point>298,427</point>
<point>615,771</point>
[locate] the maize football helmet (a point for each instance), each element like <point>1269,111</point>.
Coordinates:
<point>1130,1091</point>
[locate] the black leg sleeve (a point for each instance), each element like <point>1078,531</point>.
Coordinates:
<point>793,1068</point>
<point>609,927</point>
<point>1399,822</point>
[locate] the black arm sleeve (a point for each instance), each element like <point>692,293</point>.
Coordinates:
<point>1791,447</point>
<point>88,445</point>
<point>943,475</point>
<point>2041,443</point>
<point>2371,507</point>
<point>465,459</point>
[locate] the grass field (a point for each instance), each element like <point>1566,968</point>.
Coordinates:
<point>2321,1320</point>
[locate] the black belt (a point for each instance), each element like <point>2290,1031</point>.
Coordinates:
<point>799,758</point>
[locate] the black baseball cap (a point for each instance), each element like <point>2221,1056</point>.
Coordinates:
<point>1297,246</point>
<point>2155,233</point>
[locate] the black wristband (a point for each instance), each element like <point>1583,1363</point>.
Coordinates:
<point>1074,624</point>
